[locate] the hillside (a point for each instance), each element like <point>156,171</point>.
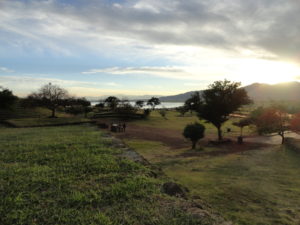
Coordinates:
<point>258,92</point>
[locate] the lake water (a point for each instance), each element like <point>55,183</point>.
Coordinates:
<point>167,105</point>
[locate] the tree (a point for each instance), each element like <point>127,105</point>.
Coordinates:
<point>139,103</point>
<point>194,132</point>
<point>272,120</point>
<point>153,102</point>
<point>112,102</point>
<point>295,122</point>
<point>220,100</point>
<point>50,96</point>
<point>77,106</point>
<point>7,99</point>
<point>194,102</point>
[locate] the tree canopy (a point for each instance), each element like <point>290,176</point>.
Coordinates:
<point>112,102</point>
<point>7,99</point>
<point>220,100</point>
<point>153,102</point>
<point>272,120</point>
<point>49,96</point>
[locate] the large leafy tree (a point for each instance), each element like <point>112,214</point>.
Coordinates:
<point>49,96</point>
<point>7,99</point>
<point>220,100</point>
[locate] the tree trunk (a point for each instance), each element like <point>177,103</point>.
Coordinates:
<point>219,134</point>
<point>194,144</point>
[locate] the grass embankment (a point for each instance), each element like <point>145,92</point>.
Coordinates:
<point>38,122</point>
<point>72,175</point>
<point>253,187</point>
<point>261,186</point>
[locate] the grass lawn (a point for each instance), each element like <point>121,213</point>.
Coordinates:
<point>176,122</point>
<point>73,175</point>
<point>36,122</point>
<point>249,188</point>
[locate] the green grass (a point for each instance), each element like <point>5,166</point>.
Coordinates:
<point>176,122</point>
<point>72,175</point>
<point>250,188</point>
<point>35,122</point>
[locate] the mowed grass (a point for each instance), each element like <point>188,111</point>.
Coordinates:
<point>256,187</point>
<point>72,175</point>
<point>177,122</point>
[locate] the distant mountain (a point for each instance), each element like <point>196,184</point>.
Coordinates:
<point>123,97</point>
<point>283,91</point>
<point>177,98</point>
<point>258,92</point>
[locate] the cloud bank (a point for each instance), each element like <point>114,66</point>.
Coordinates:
<point>272,26</point>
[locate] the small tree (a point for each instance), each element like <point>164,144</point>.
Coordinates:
<point>272,120</point>
<point>153,102</point>
<point>194,132</point>
<point>220,100</point>
<point>50,96</point>
<point>139,104</point>
<point>7,99</point>
<point>112,102</point>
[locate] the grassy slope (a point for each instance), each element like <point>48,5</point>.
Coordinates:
<point>255,187</point>
<point>71,175</point>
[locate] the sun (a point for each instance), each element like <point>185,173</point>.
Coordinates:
<point>267,71</point>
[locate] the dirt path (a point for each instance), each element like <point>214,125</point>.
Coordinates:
<point>169,137</point>
<point>272,139</point>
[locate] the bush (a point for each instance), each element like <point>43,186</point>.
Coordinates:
<point>163,112</point>
<point>194,132</point>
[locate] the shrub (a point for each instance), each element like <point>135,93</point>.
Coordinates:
<point>194,132</point>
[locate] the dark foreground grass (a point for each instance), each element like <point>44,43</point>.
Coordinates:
<point>72,175</point>
<point>38,122</point>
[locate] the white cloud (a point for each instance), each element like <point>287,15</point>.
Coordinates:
<point>166,71</point>
<point>23,85</point>
<point>261,25</point>
<point>6,70</point>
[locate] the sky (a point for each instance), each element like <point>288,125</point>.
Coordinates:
<point>146,47</point>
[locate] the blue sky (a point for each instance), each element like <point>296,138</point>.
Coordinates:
<point>146,47</point>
